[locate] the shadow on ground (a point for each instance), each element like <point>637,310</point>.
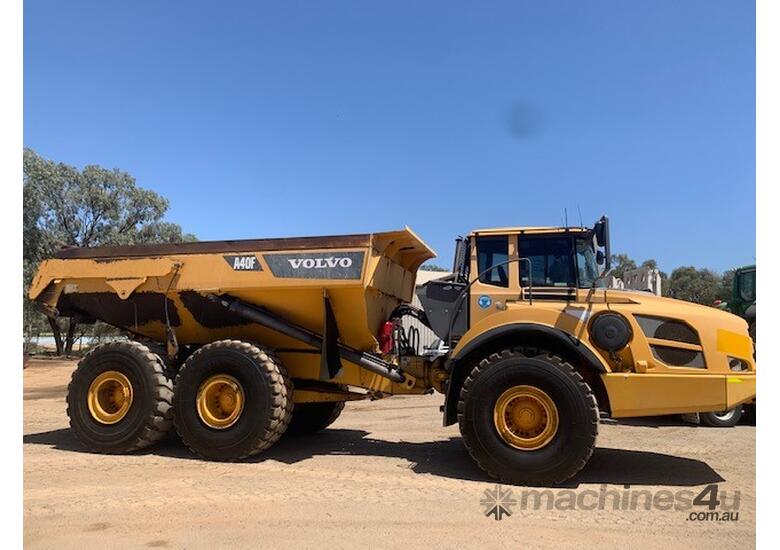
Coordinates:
<point>447,458</point>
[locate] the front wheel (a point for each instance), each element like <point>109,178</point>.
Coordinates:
<point>528,418</point>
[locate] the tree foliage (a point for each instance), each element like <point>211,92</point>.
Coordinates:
<point>702,286</point>
<point>726,285</point>
<point>433,267</point>
<point>620,264</point>
<point>96,206</point>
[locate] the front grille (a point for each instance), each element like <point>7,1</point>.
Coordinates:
<point>667,329</point>
<point>678,357</point>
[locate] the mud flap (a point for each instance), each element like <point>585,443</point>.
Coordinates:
<point>330,360</point>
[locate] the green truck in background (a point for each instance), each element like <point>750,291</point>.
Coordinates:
<point>743,297</point>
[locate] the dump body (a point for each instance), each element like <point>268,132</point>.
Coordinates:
<point>140,288</point>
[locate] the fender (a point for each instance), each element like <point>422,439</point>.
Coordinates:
<point>750,312</point>
<point>549,336</point>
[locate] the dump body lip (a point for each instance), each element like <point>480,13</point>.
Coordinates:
<point>207,247</point>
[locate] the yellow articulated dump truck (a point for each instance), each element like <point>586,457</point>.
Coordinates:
<point>237,342</point>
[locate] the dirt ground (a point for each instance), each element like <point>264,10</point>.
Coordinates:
<point>385,475</point>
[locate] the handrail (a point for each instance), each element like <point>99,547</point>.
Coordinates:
<point>453,314</point>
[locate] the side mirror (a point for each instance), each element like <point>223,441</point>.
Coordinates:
<point>601,230</point>
<point>599,257</point>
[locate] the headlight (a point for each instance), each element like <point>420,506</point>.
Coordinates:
<point>737,364</point>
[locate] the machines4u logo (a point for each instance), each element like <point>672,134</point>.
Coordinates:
<point>498,502</point>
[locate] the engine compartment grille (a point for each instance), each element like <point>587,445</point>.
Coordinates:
<point>667,329</point>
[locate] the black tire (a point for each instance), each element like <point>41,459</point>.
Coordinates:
<point>150,415</point>
<point>573,442</point>
<point>310,418</point>
<point>268,400</point>
<point>725,419</point>
<point>749,414</point>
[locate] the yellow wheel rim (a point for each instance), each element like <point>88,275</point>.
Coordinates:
<point>109,397</point>
<point>220,401</point>
<point>526,418</point>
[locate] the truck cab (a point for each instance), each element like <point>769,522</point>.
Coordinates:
<point>543,288</point>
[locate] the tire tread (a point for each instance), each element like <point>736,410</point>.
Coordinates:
<point>159,419</point>
<point>279,382</point>
<point>585,390</point>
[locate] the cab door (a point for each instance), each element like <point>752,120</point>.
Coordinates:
<point>498,280</point>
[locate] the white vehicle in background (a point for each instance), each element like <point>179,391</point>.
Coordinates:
<point>436,349</point>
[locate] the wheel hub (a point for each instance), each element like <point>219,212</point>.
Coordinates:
<point>220,401</point>
<point>109,397</point>
<point>525,417</point>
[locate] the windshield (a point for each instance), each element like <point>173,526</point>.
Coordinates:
<point>747,285</point>
<point>587,268</point>
<point>559,261</point>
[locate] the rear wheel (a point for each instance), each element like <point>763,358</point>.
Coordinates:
<point>232,399</point>
<point>725,419</point>
<point>119,398</point>
<point>528,417</point>
<point>310,418</point>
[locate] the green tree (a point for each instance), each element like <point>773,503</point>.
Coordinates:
<point>701,286</point>
<point>433,267</point>
<point>620,264</point>
<point>64,206</point>
<point>725,292</point>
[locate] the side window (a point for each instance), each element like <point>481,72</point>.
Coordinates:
<point>747,286</point>
<point>552,261</point>
<point>490,252</point>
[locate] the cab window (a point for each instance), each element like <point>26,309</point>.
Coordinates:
<point>493,252</point>
<point>747,286</point>
<point>551,261</point>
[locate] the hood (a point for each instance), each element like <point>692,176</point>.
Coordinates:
<point>649,304</point>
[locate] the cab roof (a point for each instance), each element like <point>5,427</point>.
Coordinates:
<point>530,230</point>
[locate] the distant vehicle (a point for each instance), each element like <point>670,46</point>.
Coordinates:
<point>437,349</point>
<point>743,297</point>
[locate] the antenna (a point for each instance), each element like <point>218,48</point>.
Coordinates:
<point>566,214</point>
<point>580,213</point>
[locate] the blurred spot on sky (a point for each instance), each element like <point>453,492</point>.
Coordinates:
<point>525,120</point>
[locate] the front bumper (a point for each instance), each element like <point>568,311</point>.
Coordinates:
<point>651,394</point>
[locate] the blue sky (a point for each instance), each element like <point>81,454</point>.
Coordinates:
<point>260,119</point>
